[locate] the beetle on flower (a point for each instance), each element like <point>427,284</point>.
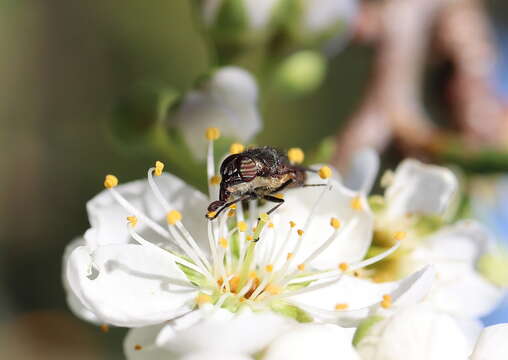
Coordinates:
<point>139,264</point>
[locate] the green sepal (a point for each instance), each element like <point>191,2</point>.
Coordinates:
<point>377,203</point>
<point>363,329</point>
<point>428,224</point>
<point>494,266</point>
<point>291,311</point>
<point>193,276</point>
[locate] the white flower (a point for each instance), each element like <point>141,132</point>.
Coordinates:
<point>492,344</point>
<point>319,16</point>
<point>227,100</point>
<point>417,199</point>
<point>416,332</point>
<point>140,265</point>
<point>222,335</point>
<point>256,12</point>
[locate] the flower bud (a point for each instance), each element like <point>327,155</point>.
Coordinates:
<point>227,100</point>
<point>301,73</point>
<point>234,24</point>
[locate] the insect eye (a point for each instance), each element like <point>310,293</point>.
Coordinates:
<point>248,169</point>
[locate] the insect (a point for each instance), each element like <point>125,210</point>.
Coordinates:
<point>256,173</point>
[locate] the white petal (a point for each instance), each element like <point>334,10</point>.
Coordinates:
<point>227,101</point>
<point>464,293</point>
<point>460,289</point>
<point>362,171</point>
<point>139,344</point>
<point>350,246</point>
<point>313,341</point>
<point>420,189</point>
<point>363,297</point>
<point>492,344</point>
<point>417,333</point>
<point>108,218</point>
<point>465,241</point>
<point>241,334</point>
<point>215,355</point>
<point>129,285</point>
<point>74,303</point>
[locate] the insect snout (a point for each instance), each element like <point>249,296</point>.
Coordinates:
<point>215,205</point>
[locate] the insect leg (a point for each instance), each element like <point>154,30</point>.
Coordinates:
<point>225,206</point>
<point>275,200</point>
<point>272,199</point>
<point>309,185</point>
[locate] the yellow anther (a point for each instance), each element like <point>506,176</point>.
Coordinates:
<point>242,299</point>
<point>300,232</point>
<point>273,289</point>
<point>236,148</point>
<point>211,214</point>
<point>290,256</point>
<point>296,155</point>
<point>292,224</point>
<point>203,299</point>
<point>132,220</point>
<point>233,206</point>
<point>138,347</point>
<point>301,267</point>
<point>325,172</point>
<point>253,275</point>
<point>399,235</point>
<point>269,268</point>
<point>104,328</point>
<point>159,166</point>
<point>341,306</point>
<point>387,301</point>
<point>110,181</point>
<point>212,133</point>
<point>386,304</point>
<point>249,238</point>
<point>173,217</point>
<point>242,226</point>
<point>215,180</point>
<point>223,242</point>
<point>335,223</point>
<point>343,266</point>
<point>278,196</point>
<point>356,203</point>
<point>231,213</point>
<point>264,217</point>
<point>271,225</point>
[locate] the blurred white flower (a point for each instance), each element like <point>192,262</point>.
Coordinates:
<point>492,344</point>
<point>227,100</point>
<point>255,13</point>
<point>417,200</point>
<point>321,16</point>
<point>223,335</point>
<point>151,255</point>
<point>416,332</point>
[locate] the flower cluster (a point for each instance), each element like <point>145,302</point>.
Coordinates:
<point>333,273</point>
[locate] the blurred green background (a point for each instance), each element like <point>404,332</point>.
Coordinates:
<point>63,66</point>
